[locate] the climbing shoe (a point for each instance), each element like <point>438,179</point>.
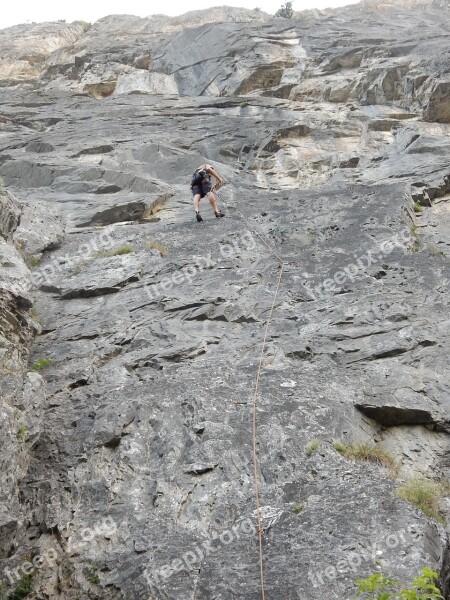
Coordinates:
<point>219,214</point>
<point>199,219</point>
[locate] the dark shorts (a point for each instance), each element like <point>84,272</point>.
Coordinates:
<point>201,189</point>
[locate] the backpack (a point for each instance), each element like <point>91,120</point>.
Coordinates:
<point>198,177</point>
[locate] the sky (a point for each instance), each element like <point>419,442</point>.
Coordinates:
<point>23,11</point>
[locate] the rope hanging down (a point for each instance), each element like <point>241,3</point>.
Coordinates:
<point>256,393</point>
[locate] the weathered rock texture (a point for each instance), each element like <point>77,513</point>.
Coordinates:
<point>129,446</point>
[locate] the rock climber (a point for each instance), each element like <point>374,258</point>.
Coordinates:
<point>201,186</point>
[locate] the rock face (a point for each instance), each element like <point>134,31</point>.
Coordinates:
<point>17,330</point>
<point>131,335</point>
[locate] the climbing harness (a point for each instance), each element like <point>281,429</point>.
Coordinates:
<point>256,393</point>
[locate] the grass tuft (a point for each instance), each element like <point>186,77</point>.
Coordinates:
<point>366,452</point>
<point>312,447</point>
<point>298,508</point>
<point>418,208</point>
<point>41,364</point>
<point>119,251</point>
<point>371,453</point>
<point>425,495</point>
<point>22,431</point>
<point>152,245</point>
<point>339,446</point>
<point>34,261</point>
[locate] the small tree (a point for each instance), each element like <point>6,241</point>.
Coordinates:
<point>285,11</point>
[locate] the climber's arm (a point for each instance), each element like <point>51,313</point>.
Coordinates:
<point>212,172</point>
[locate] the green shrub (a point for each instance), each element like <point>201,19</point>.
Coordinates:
<point>418,208</point>
<point>425,495</point>
<point>34,261</point>
<point>312,447</point>
<point>24,588</point>
<point>298,508</point>
<point>244,103</point>
<point>41,364</point>
<point>380,587</point>
<point>92,576</point>
<point>22,431</point>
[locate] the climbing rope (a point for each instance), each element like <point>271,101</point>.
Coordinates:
<point>256,393</point>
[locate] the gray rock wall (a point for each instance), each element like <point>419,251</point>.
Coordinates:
<point>20,412</point>
<point>130,335</point>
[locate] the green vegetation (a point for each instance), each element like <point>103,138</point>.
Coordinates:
<point>152,245</point>
<point>24,588</point>
<point>425,495</point>
<point>312,447</point>
<point>244,103</point>
<point>119,251</point>
<point>418,208</point>
<point>298,508</point>
<point>92,576</point>
<point>339,446</point>
<point>22,432</point>
<point>380,587</point>
<point>285,11</point>
<point>34,261</point>
<point>365,452</point>
<point>41,364</point>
